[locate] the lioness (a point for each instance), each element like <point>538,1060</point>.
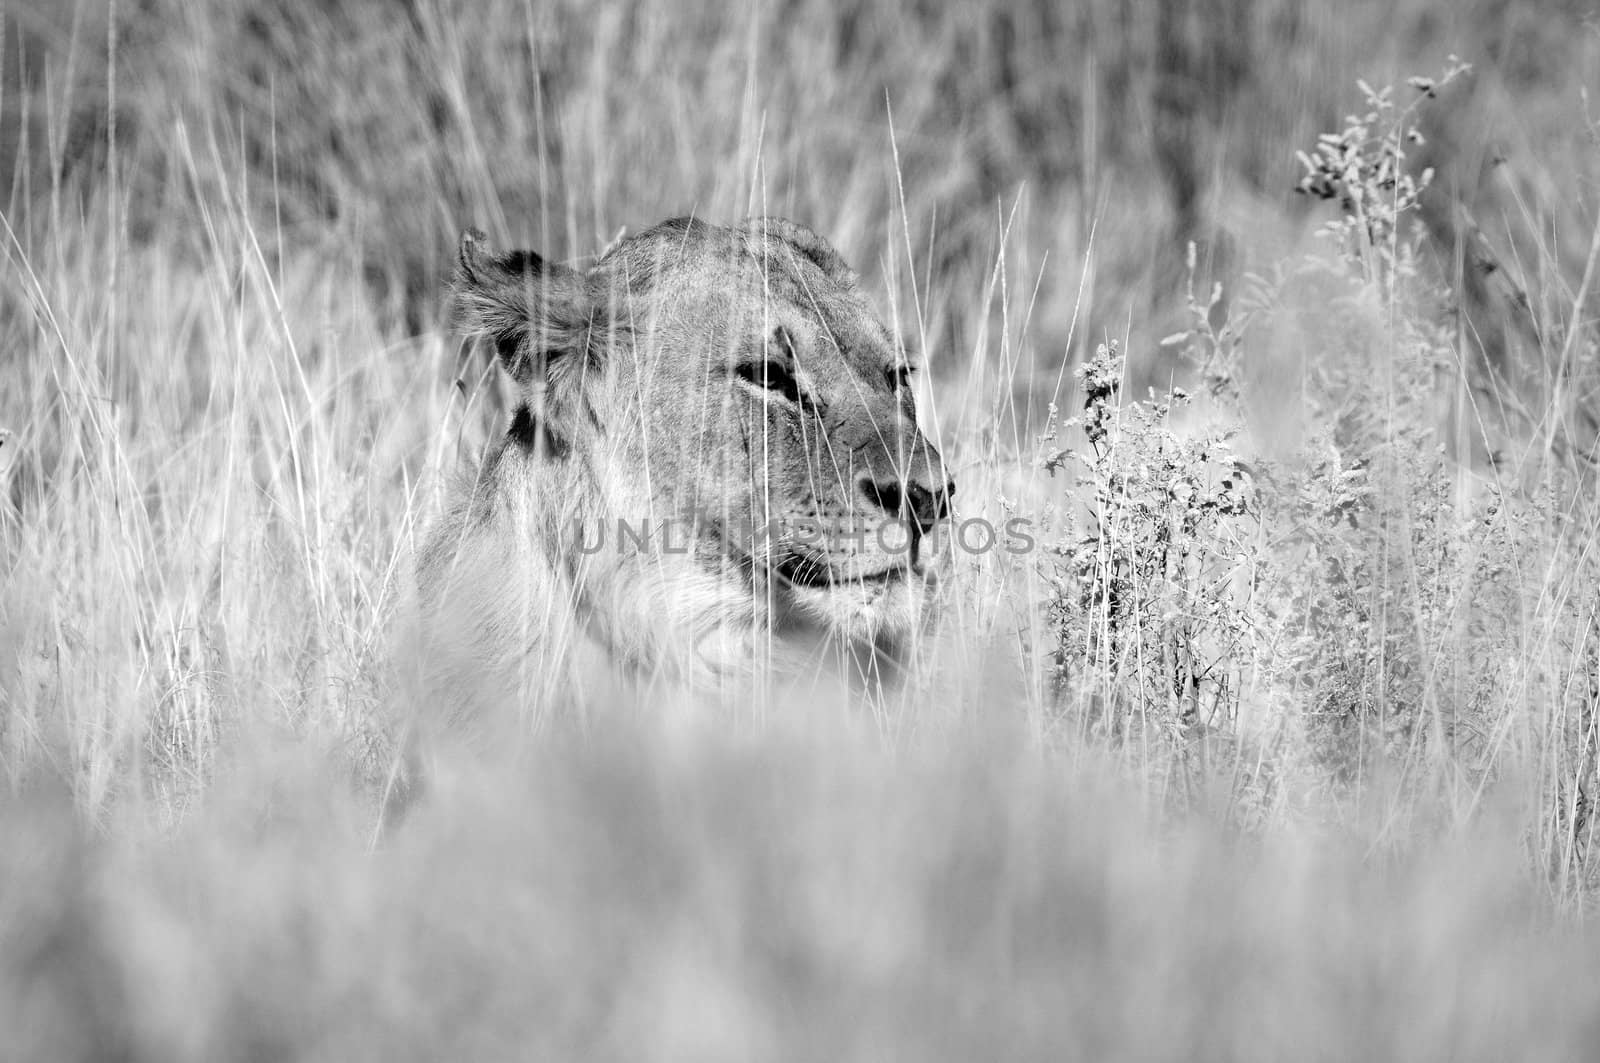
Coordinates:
<point>714,460</point>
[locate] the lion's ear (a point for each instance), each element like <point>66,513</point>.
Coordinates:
<point>537,313</point>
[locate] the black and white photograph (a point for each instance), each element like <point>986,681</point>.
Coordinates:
<point>837,530</point>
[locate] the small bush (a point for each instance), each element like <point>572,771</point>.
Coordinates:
<point>1359,605</point>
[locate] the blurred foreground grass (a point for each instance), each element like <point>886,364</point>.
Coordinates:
<point>690,897</point>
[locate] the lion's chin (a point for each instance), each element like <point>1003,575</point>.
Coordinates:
<point>865,611</point>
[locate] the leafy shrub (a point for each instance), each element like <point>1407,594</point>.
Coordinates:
<point>1360,605</point>
<point>1148,610</point>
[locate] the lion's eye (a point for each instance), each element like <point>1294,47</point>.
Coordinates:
<point>899,376</point>
<point>772,375</point>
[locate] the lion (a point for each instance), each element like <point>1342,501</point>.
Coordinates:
<point>714,466</point>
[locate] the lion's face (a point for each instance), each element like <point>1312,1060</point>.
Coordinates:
<point>735,383</point>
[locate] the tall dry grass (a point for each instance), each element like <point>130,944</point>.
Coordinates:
<point>229,411</point>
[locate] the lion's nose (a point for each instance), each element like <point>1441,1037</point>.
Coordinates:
<point>923,501</point>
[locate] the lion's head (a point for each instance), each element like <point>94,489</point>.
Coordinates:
<point>730,382</point>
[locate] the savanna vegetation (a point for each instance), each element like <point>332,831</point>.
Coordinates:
<point>1274,321</point>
